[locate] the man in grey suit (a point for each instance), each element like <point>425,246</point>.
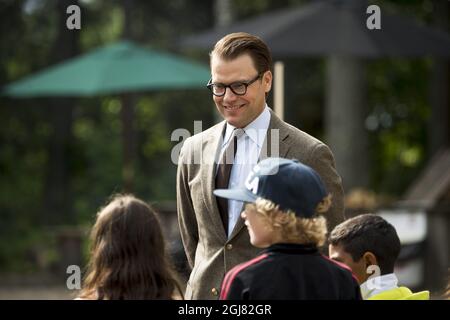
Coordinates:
<point>213,232</point>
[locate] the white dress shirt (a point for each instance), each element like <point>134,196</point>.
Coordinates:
<point>249,147</point>
<point>379,284</point>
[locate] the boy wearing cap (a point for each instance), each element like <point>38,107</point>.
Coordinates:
<point>284,199</point>
<point>367,243</point>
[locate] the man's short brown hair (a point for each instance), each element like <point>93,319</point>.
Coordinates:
<point>236,44</point>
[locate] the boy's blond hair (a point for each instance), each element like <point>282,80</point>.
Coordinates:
<point>291,228</point>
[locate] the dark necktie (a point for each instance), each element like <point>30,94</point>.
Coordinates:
<point>223,174</point>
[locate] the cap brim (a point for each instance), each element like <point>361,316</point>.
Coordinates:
<point>236,194</point>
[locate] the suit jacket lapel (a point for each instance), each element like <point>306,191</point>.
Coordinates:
<point>210,153</point>
<point>275,145</point>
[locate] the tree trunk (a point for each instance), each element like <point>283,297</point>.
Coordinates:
<point>57,195</point>
<point>128,142</point>
<point>439,134</point>
<point>223,16</point>
<point>127,114</point>
<point>345,115</point>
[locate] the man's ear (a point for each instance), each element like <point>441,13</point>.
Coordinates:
<point>267,81</point>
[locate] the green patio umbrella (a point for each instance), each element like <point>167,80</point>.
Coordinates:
<point>119,68</point>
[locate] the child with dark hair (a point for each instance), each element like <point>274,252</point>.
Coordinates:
<point>285,202</point>
<point>367,243</point>
<point>128,256</point>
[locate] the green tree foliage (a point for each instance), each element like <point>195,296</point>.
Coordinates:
<point>398,122</point>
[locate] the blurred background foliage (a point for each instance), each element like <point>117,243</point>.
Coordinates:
<point>32,29</point>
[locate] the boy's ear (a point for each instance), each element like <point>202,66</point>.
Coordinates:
<point>369,259</point>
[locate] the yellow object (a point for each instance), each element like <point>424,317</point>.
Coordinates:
<point>401,293</point>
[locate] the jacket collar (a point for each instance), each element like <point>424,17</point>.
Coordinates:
<point>291,248</point>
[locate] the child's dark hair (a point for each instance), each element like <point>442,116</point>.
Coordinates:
<point>368,233</point>
<point>128,254</point>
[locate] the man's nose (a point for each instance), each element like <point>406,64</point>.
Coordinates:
<point>229,95</point>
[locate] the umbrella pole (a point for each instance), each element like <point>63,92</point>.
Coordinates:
<point>127,116</point>
<point>278,92</point>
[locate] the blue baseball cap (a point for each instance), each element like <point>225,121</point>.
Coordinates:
<point>288,183</point>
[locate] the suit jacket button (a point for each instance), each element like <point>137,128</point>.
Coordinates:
<point>229,246</point>
<point>214,292</point>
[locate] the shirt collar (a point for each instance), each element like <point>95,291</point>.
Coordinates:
<point>379,284</point>
<point>256,130</point>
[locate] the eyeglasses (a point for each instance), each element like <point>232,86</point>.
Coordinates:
<point>238,88</point>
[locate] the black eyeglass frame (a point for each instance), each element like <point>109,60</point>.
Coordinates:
<point>211,85</point>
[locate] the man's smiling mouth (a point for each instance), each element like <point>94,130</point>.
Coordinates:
<point>234,107</point>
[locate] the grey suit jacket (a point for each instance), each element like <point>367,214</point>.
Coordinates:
<point>209,252</point>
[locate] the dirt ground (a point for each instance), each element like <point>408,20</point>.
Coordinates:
<point>34,287</point>
<point>36,293</point>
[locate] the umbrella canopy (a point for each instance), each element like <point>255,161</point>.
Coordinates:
<point>117,68</point>
<point>334,27</point>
